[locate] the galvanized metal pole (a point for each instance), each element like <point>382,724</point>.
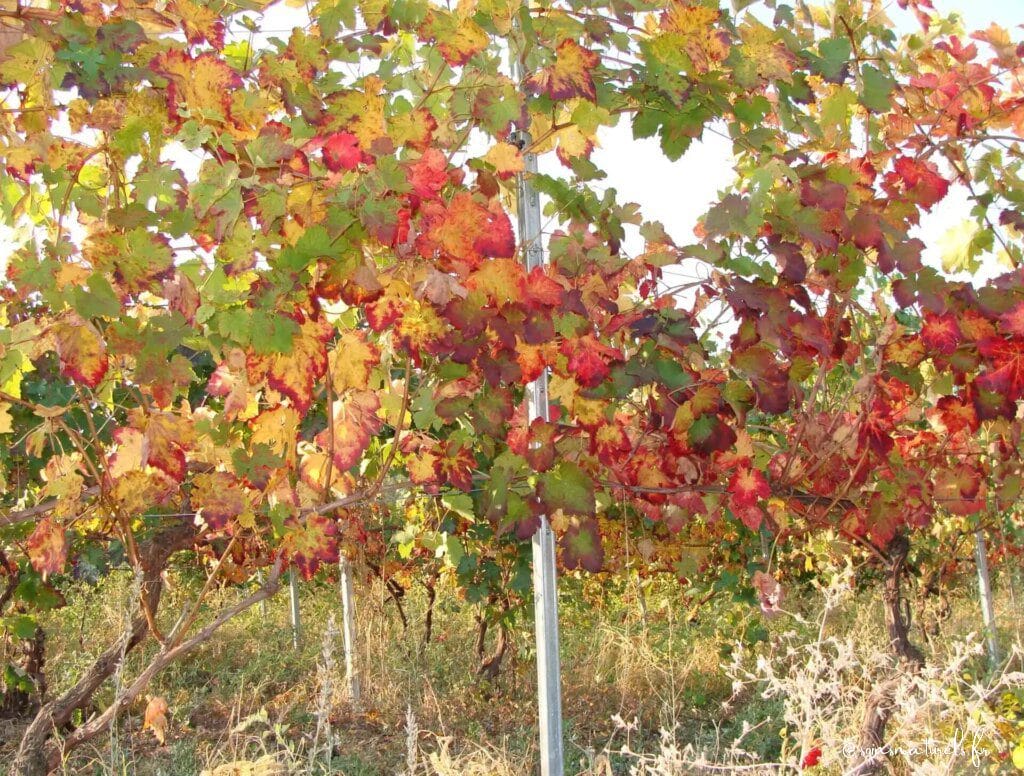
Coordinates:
<point>988,615</point>
<point>545,592</point>
<point>293,590</point>
<point>348,629</point>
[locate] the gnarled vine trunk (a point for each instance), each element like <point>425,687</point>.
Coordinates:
<point>880,703</point>
<point>490,665</point>
<point>31,659</point>
<point>36,751</point>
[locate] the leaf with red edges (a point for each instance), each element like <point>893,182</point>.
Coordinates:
<point>751,516</point>
<point>48,547</point>
<point>383,312</point>
<point>569,75</point>
<point>975,326</point>
<point>506,159</point>
<point>693,31</point>
<point>230,381</point>
<point>457,465</point>
<point>169,436</point>
<point>531,359</point>
<point>536,443</point>
<point>295,373</point>
<point>203,85</point>
<point>200,23</point>
<point>581,546</point>
<point>277,429</point>
<point>883,520</point>
<point>542,290</point>
<point>130,453</point>
<point>81,350</point>
<point>421,329</point>
<point>414,129</point>
<point>309,542</point>
<point>956,415</point>
<point>220,498</point>
<point>352,360</point>
<point>424,467</point>
<point>354,421</point>
<point>422,460</point>
<point>457,36</point>
<point>610,442</point>
<point>500,280</point>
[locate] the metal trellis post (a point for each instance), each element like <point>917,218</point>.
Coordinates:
<point>545,592</point>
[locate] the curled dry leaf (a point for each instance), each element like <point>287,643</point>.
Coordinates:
<point>769,593</point>
<point>156,717</point>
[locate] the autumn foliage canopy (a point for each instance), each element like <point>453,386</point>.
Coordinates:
<point>271,287</point>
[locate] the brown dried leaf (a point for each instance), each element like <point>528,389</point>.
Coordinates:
<point>155,718</point>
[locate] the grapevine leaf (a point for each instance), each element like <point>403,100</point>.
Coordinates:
<point>569,75</point>
<point>581,546</point>
<point>747,486</point>
<point>82,351</point>
<point>48,547</point>
<point>295,372</point>
<point>309,542</point>
<point>569,488</point>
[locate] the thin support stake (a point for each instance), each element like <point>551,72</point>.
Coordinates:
<point>988,615</point>
<point>348,629</point>
<point>293,590</point>
<point>545,589</point>
<point>263,604</point>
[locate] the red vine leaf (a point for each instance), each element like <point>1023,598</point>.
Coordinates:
<point>48,547</point>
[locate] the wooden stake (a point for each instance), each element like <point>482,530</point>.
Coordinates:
<point>293,590</point>
<point>348,629</point>
<point>988,615</point>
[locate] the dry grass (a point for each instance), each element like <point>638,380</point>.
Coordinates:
<point>643,688</point>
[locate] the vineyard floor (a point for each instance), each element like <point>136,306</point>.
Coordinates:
<point>640,670</point>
